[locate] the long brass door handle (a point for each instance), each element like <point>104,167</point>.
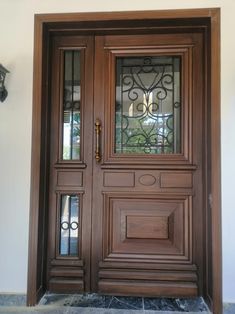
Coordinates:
<point>97,145</point>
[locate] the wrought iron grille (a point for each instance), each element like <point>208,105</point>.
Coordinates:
<point>147,105</point>
<point>69,225</point>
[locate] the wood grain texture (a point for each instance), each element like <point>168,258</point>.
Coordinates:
<point>149,275</point>
<point>176,179</point>
<point>172,240</point>
<point>147,227</point>
<point>119,179</point>
<point>69,285</point>
<point>69,178</point>
<point>215,166</point>
<point>206,145</point>
<point>151,288</point>
<point>154,45</point>
<point>66,177</point>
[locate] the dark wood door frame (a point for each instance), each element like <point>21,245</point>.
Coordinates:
<point>206,21</point>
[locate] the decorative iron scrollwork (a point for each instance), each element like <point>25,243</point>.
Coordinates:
<point>147,107</point>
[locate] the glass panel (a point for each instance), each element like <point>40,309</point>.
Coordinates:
<point>147,118</point>
<point>71,108</point>
<point>69,225</point>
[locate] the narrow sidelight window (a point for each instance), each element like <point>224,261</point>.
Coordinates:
<point>71,106</point>
<point>69,225</point>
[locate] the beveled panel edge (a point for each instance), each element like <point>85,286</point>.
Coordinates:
<point>147,258</point>
<point>65,285</point>
<point>171,196</point>
<point>67,262</point>
<point>70,165</point>
<point>163,275</point>
<point>156,288</point>
<point>150,265</point>
<point>66,272</point>
<point>153,166</point>
<point>63,189</point>
<point>185,256</point>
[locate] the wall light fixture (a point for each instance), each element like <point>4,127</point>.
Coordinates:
<point>3,91</point>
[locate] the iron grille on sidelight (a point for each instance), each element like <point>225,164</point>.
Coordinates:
<point>148,105</point>
<point>69,225</point>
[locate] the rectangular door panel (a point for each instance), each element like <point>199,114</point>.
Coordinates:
<point>149,180</point>
<point>150,289</point>
<point>147,227</point>
<point>147,197</point>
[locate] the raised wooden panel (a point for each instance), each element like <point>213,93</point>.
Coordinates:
<point>119,179</point>
<point>155,278</point>
<point>147,227</point>
<point>147,179</point>
<point>148,288</point>
<point>65,285</point>
<point>147,275</point>
<point>70,178</point>
<point>149,266</point>
<point>67,262</point>
<point>66,272</point>
<point>176,180</point>
<point>66,279</point>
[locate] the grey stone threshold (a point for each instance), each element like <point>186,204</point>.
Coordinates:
<point>50,309</point>
<point>69,304</point>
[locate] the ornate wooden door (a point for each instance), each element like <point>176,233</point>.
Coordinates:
<point>126,183</point>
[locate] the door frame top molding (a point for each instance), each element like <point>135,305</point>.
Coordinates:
<point>77,17</point>
<point>47,25</point>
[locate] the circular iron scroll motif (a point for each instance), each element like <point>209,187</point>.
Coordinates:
<point>65,225</point>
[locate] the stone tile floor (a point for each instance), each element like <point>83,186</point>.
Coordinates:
<point>96,304</point>
<point>125,303</point>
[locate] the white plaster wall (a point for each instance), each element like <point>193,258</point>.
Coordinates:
<point>16,53</point>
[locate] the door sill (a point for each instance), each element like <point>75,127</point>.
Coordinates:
<point>94,300</point>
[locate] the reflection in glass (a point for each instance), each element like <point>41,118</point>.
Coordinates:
<point>147,118</point>
<point>69,225</point>
<point>71,106</point>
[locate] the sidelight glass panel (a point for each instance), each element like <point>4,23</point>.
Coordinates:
<point>69,225</point>
<point>147,113</point>
<point>71,106</point>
